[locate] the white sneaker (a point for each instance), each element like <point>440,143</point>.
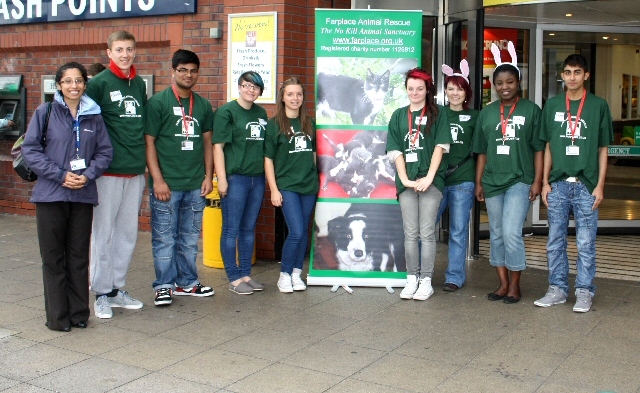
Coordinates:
<point>296,280</point>
<point>410,288</point>
<point>425,290</point>
<point>124,300</point>
<point>284,283</point>
<point>102,308</point>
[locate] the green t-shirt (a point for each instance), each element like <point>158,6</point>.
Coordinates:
<point>417,149</point>
<point>462,125</point>
<point>293,158</point>
<point>594,130</point>
<point>242,132</point>
<point>180,156</point>
<point>122,103</point>
<point>522,140</point>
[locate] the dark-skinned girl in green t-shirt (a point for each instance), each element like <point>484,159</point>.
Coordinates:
<point>290,168</point>
<point>508,174</point>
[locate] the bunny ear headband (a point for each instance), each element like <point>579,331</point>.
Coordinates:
<point>512,52</point>
<point>464,68</point>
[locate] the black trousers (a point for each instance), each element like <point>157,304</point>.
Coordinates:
<point>64,234</point>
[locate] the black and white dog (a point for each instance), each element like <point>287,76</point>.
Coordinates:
<point>358,165</point>
<point>369,237</point>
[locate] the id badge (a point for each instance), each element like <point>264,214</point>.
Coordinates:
<point>78,164</point>
<point>412,157</point>
<point>503,149</point>
<point>187,145</point>
<point>573,150</point>
<point>188,131</point>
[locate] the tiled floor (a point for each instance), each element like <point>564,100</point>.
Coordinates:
<point>316,341</point>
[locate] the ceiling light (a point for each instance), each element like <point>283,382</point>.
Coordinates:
<point>568,15</point>
<point>552,33</point>
<point>605,37</point>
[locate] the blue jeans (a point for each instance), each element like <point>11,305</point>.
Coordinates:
<point>419,215</point>
<point>297,209</point>
<point>460,199</point>
<point>240,209</point>
<point>563,198</point>
<point>176,226</point>
<point>507,212</point>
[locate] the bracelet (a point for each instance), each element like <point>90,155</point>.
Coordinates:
<point>546,184</point>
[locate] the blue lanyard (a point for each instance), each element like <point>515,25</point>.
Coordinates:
<point>76,129</point>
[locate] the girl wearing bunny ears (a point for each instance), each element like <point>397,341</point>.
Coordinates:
<point>508,172</point>
<point>417,139</point>
<point>459,179</point>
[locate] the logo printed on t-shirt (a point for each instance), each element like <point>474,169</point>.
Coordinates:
<point>255,129</point>
<point>510,132</point>
<point>456,130</point>
<point>578,128</point>
<point>131,106</point>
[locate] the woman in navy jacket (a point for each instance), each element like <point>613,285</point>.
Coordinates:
<point>74,151</point>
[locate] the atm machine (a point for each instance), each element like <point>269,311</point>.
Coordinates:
<point>13,99</point>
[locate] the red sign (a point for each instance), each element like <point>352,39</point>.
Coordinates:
<point>500,37</point>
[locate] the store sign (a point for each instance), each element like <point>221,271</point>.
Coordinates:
<point>253,40</point>
<point>44,11</point>
<point>491,3</point>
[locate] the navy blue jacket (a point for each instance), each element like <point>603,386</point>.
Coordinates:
<point>52,162</point>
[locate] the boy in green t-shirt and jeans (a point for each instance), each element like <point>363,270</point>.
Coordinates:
<point>178,130</point>
<point>578,129</point>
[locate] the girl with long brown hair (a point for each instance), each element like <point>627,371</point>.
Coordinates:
<point>290,168</point>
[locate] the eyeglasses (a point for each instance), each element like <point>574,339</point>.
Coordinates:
<point>183,71</point>
<point>249,86</point>
<point>78,81</point>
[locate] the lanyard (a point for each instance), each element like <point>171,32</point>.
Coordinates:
<point>572,127</point>
<point>413,137</point>
<point>76,129</point>
<point>504,121</point>
<point>184,119</point>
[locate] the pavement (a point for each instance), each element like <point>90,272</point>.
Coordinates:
<point>317,340</point>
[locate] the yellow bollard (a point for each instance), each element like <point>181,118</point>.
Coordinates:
<point>212,231</point>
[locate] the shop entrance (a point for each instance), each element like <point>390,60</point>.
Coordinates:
<point>614,59</point>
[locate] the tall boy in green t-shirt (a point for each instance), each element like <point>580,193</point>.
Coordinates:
<point>121,94</point>
<point>577,128</point>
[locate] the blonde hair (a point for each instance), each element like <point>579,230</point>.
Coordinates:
<point>120,35</point>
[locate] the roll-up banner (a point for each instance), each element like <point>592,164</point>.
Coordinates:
<point>361,60</point>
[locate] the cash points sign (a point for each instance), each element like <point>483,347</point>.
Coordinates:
<point>43,11</point>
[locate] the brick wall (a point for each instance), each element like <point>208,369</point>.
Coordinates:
<point>39,49</point>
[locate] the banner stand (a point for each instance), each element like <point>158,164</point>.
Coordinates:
<point>362,57</point>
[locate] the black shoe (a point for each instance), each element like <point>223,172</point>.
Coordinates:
<point>494,296</point>
<point>64,329</point>
<point>163,297</point>
<point>511,299</point>
<point>80,325</point>
<point>450,287</point>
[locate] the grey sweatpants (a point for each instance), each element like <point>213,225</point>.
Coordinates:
<point>115,230</point>
<point>419,213</point>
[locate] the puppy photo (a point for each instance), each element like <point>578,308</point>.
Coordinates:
<point>359,237</point>
<point>354,164</point>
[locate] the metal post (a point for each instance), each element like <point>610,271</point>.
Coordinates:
<point>471,256</point>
